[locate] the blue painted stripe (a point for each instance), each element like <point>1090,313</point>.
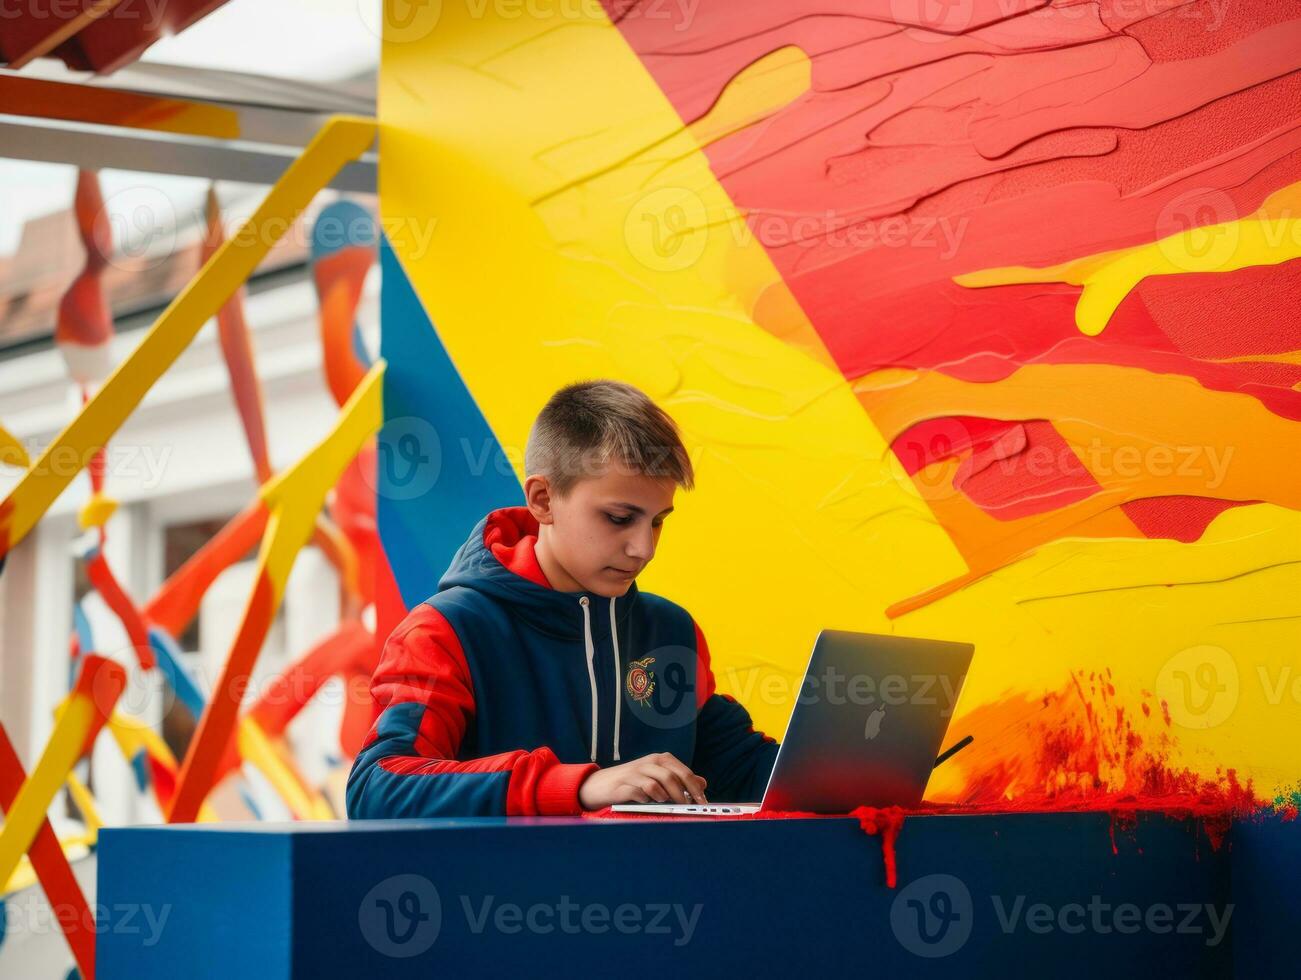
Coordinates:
<point>437,454</point>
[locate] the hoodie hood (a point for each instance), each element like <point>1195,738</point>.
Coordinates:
<point>499,559</point>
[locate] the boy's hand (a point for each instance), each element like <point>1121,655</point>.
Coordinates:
<point>658,778</point>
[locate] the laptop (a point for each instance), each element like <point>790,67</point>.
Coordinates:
<point>866,730</point>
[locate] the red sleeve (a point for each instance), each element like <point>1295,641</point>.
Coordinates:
<point>423,661</point>
<point>408,766</point>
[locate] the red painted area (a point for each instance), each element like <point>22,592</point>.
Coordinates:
<point>1181,517</point>
<point>163,776</point>
<point>6,528</point>
<point>1082,748</point>
<point>106,42</point>
<point>339,280</point>
<point>1015,469</point>
<point>1009,139</point>
<point>1010,469</point>
<point>177,602</point>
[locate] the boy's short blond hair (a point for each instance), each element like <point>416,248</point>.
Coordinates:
<point>585,426</point>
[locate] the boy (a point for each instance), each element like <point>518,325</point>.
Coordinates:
<point>538,679</point>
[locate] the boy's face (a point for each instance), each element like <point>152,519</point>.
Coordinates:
<point>601,535</point>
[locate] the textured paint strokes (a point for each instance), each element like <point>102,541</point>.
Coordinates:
<point>669,247</point>
<point>588,237</point>
<point>1269,237</point>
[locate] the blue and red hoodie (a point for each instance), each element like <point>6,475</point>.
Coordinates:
<point>500,694</point>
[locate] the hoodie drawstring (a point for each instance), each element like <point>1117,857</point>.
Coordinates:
<point>591,670</point>
<point>618,675</point>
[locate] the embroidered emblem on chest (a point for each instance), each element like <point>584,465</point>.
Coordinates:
<point>640,681</point>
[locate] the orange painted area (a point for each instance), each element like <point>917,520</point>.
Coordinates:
<point>339,281</point>
<point>1140,435</point>
<point>349,647</point>
<point>177,602</point>
<point>83,103</point>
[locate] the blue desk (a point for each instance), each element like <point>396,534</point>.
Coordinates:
<point>1012,895</point>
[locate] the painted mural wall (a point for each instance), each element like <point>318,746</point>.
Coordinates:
<point>979,319</point>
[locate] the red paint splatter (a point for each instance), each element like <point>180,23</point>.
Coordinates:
<point>887,822</point>
<point>1076,749</point>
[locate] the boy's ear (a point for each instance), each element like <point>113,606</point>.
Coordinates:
<point>537,494</point>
